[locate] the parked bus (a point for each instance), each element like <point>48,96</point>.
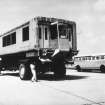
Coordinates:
<point>41,41</point>
<point>83,63</point>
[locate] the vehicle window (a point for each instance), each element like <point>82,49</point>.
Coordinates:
<point>53,30</point>
<point>13,38</point>
<point>9,39</point>
<point>46,34</point>
<point>83,58</point>
<point>39,31</point>
<point>25,33</point>
<point>89,58</point>
<point>97,57</point>
<point>102,56</point>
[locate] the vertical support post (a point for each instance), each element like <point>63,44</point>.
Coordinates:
<point>58,34</point>
<point>74,38</point>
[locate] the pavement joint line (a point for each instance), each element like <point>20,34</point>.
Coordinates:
<point>73,94</point>
<point>95,103</point>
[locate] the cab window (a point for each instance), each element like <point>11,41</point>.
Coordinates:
<point>53,30</point>
<point>39,31</point>
<point>46,34</point>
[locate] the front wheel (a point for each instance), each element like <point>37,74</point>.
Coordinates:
<point>58,65</point>
<point>60,70</point>
<point>24,71</point>
<point>102,68</point>
<point>78,68</point>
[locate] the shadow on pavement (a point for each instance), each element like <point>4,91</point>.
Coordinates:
<point>9,74</point>
<point>50,77</point>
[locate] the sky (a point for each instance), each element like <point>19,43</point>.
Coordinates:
<point>89,16</point>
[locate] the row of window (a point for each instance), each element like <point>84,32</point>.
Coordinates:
<point>11,38</point>
<point>66,32</point>
<point>90,58</point>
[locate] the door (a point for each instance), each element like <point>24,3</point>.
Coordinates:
<point>43,36</point>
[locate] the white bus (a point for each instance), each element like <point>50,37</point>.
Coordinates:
<point>83,63</point>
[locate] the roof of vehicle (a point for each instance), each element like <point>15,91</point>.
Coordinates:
<point>42,19</point>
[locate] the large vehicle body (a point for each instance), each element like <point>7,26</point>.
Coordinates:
<point>35,42</point>
<point>96,62</point>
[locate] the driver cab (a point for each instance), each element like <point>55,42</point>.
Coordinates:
<point>61,36</point>
<point>55,35</point>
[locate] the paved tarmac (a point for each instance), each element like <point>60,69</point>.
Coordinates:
<point>77,88</point>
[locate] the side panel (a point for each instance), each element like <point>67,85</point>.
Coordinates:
<point>53,43</point>
<point>33,33</point>
<point>20,44</point>
<point>64,44</point>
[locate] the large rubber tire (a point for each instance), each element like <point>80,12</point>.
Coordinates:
<point>24,71</point>
<point>78,68</point>
<point>60,71</point>
<point>58,65</point>
<point>102,68</point>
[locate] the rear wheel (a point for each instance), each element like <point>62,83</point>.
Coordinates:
<point>24,71</point>
<point>60,71</point>
<point>102,68</point>
<point>78,68</point>
<point>58,65</point>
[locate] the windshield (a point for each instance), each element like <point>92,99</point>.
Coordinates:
<point>53,31</point>
<point>65,31</point>
<point>62,31</point>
